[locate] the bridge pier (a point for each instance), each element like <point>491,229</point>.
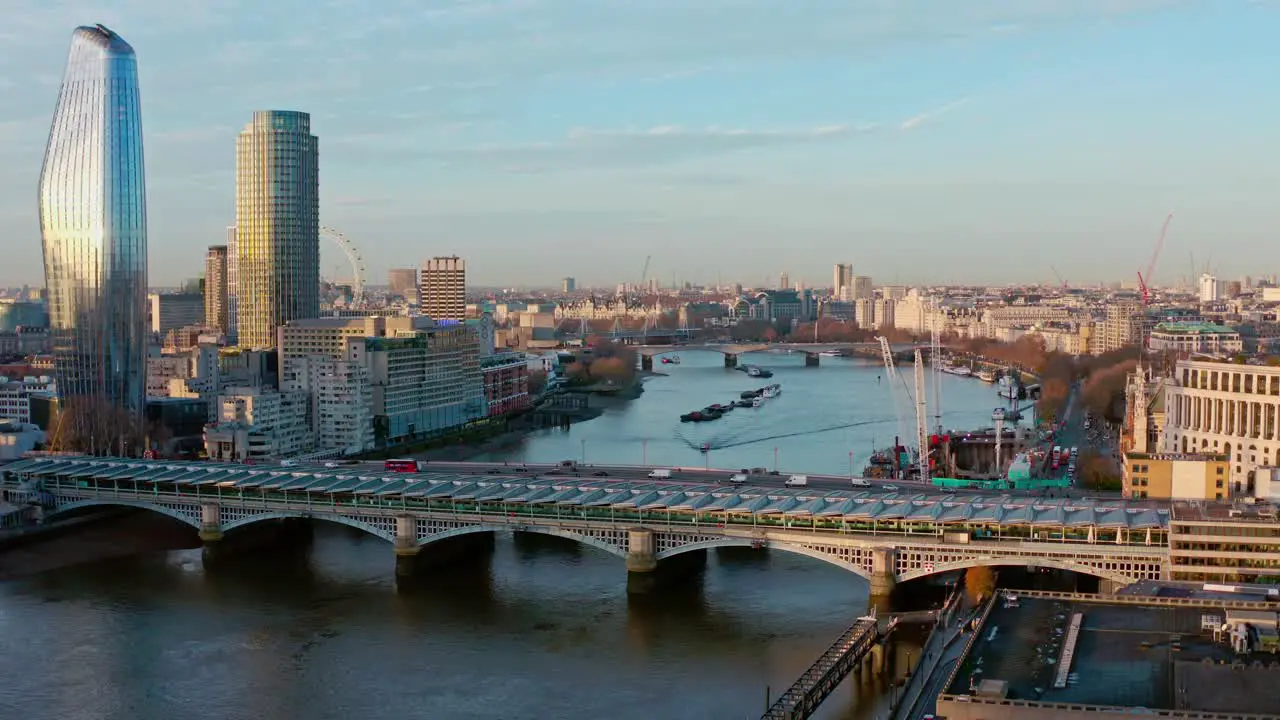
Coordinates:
<point>645,574</point>
<point>883,575</point>
<point>730,360</point>
<point>406,546</point>
<point>414,560</point>
<point>646,362</point>
<point>211,533</point>
<point>811,359</point>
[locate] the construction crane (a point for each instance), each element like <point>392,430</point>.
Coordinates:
<point>1151,266</point>
<point>1059,276</point>
<point>644,274</point>
<point>897,388</point>
<point>922,420</point>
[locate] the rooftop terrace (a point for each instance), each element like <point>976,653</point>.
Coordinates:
<point>1132,652</point>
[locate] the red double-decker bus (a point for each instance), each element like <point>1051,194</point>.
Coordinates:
<point>401,466</point>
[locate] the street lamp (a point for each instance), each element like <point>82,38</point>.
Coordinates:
<point>644,444</point>
<point>850,463</point>
<point>584,451</point>
<point>775,461</point>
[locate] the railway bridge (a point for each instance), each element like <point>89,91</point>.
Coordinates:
<point>883,538</point>
<point>812,351</point>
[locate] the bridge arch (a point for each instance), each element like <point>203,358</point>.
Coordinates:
<point>324,517</point>
<point>1112,575</point>
<point>187,518</point>
<point>772,545</point>
<point>554,532</point>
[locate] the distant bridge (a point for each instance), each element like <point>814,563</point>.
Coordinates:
<point>884,539</point>
<point>812,351</point>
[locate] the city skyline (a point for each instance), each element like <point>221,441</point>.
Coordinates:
<point>959,135</point>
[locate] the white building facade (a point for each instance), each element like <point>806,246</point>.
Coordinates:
<point>1225,408</point>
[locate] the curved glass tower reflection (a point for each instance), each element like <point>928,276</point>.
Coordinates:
<point>93,224</point>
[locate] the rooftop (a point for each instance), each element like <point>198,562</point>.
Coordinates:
<point>910,506</point>
<point>1240,512</point>
<point>1192,328</point>
<point>1131,652</point>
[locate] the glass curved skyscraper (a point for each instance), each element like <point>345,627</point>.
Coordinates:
<point>93,224</point>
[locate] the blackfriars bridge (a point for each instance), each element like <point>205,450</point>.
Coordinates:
<point>883,538</point>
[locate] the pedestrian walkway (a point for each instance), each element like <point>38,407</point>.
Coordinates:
<point>935,655</point>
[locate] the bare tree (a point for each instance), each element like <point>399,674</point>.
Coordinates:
<point>94,426</point>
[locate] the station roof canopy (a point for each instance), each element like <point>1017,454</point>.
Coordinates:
<point>856,506</point>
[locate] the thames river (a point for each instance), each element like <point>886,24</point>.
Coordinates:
<point>536,628</point>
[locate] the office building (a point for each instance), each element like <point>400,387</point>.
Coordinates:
<point>277,225</point>
<point>15,314</point>
<point>255,424</point>
<point>403,282</point>
<point>1195,338</point>
<point>1220,408</point>
<point>862,288</point>
<point>170,311</point>
<point>443,289</point>
<point>841,283</point>
<point>424,379</point>
<point>233,286</point>
<point>1208,287</point>
<point>568,285</point>
<point>93,225</point>
<point>215,288</point>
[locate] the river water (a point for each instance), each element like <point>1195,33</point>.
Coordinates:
<point>823,416</point>
<point>535,628</point>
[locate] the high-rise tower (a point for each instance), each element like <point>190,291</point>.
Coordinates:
<point>215,288</point>
<point>442,294</point>
<point>93,225</point>
<point>277,225</point>
<point>233,286</point>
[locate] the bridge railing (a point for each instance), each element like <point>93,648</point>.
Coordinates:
<point>821,678</point>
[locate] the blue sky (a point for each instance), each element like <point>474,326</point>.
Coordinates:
<point>920,140</point>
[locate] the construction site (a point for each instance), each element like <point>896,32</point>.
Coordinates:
<point>996,457</point>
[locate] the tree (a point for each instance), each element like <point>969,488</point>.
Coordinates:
<point>770,334</point>
<point>979,583</point>
<point>577,372</point>
<point>94,426</point>
<point>537,382</point>
<point>611,370</point>
<point>1053,395</point>
<point>1103,392</point>
<point>1097,472</point>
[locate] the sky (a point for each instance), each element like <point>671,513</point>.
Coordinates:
<point>923,141</point>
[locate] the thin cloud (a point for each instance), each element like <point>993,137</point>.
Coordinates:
<point>932,115</point>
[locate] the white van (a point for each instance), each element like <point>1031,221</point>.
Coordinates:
<point>738,479</point>
<point>860,482</point>
<point>797,481</point>
<point>660,474</point>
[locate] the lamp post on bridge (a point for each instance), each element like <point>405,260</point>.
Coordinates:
<point>644,453</point>
<point>775,461</point>
<point>584,451</point>
<point>850,463</point>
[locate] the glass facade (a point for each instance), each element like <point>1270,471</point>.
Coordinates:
<point>93,224</point>
<point>277,225</point>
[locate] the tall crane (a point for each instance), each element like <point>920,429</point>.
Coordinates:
<point>922,420</point>
<point>644,274</point>
<point>897,389</point>
<point>1059,276</point>
<point>1151,266</point>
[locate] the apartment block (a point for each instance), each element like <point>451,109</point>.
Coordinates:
<point>256,425</point>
